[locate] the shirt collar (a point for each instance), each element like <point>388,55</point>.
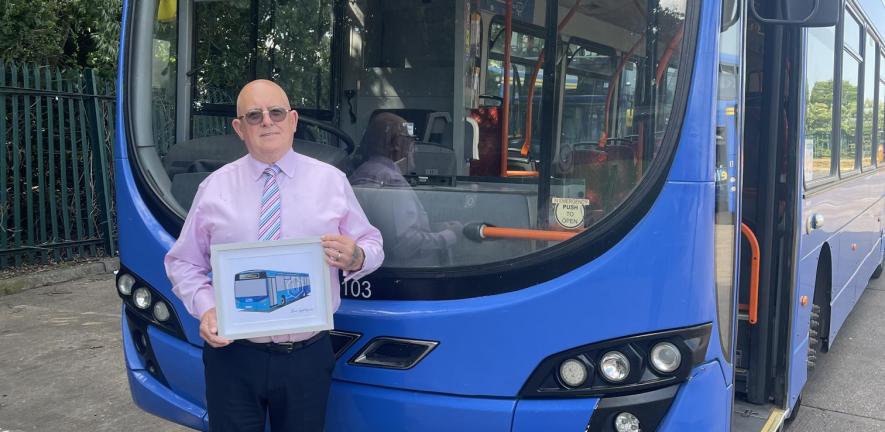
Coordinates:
<point>286,163</point>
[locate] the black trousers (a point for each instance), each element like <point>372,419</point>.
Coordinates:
<point>246,385</point>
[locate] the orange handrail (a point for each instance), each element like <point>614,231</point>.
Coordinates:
<point>530,96</point>
<point>527,234</point>
<point>665,59</point>
<point>603,139</point>
<point>753,307</point>
<point>524,151</point>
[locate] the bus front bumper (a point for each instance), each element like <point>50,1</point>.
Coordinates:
<point>701,403</point>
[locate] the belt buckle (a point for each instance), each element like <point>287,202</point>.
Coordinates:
<point>286,347</point>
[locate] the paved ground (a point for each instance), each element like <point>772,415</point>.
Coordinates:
<point>61,367</point>
<point>845,394</point>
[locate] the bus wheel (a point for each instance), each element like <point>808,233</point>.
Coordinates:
<point>283,300</point>
<point>819,322</point>
<point>814,336</point>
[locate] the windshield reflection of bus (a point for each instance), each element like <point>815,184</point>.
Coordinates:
<point>268,290</point>
<point>596,212</point>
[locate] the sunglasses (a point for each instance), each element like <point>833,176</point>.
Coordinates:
<point>256,116</point>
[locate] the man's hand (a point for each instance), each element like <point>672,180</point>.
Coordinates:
<point>342,252</point>
<point>209,330</point>
<point>454,226</point>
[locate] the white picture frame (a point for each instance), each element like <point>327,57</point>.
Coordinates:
<point>271,288</point>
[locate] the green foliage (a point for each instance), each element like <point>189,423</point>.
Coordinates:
<point>289,42</point>
<point>849,107</point>
<point>67,33</point>
<point>819,118</point>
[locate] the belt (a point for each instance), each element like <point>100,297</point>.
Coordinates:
<point>282,347</point>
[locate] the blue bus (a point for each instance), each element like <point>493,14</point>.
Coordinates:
<point>674,254</point>
<point>268,290</point>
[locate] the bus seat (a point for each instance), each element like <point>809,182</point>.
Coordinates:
<point>438,129</point>
<point>488,161</point>
<point>471,137</point>
<point>189,162</point>
<point>185,185</point>
<point>432,159</point>
<point>210,153</point>
<point>620,174</point>
<point>182,157</point>
<point>335,156</point>
<point>610,173</point>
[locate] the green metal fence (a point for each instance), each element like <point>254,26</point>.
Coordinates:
<point>56,127</point>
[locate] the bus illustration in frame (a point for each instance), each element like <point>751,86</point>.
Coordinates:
<point>268,290</point>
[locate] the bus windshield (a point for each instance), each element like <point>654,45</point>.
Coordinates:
<point>461,149</point>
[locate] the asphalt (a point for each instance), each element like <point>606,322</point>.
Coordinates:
<point>61,365</point>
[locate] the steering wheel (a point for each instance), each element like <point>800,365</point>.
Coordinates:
<point>342,136</point>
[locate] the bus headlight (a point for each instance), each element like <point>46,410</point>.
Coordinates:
<point>614,367</point>
<point>142,298</point>
<point>637,363</point>
<point>573,372</point>
<point>125,283</point>
<point>144,305</point>
<point>161,311</point>
<point>665,357</point>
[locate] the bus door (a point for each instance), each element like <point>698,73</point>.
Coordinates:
<point>273,291</point>
<point>765,215</point>
<point>769,208</point>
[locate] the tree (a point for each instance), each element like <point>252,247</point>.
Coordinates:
<point>242,40</point>
<point>66,33</point>
<point>819,116</point>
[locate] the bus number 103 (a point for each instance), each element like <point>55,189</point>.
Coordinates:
<point>356,289</point>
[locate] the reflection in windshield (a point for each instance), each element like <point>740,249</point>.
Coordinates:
<point>819,104</point>
<point>421,89</point>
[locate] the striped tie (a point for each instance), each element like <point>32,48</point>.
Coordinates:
<point>270,220</point>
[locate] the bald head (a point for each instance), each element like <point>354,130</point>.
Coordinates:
<point>269,140</point>
<point>263,87</point>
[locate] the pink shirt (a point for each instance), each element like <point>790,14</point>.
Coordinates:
<point>316,200</point>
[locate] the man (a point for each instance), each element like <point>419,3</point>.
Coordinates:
<point>271,193</point>
<point>411,239</point>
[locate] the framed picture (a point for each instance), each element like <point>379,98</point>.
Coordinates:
<point>271,288</point>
